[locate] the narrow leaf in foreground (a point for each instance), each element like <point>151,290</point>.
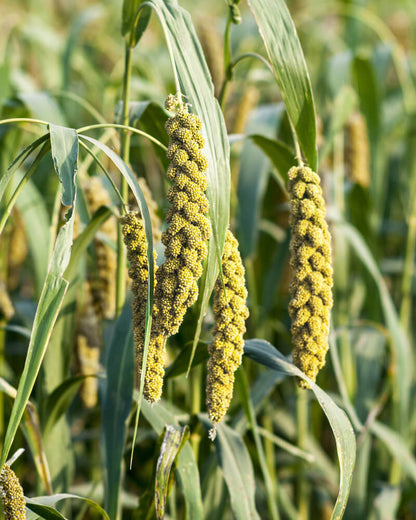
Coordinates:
<point>286,56</point>
<point>65,154</point>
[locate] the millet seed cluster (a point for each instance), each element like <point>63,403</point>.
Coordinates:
<point>310,251</point>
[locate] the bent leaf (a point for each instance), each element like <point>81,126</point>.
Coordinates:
<point>264,353</point>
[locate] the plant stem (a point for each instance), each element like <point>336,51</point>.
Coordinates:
<point>125,155</point>
<point>302,484</point>
<point>228,71</point>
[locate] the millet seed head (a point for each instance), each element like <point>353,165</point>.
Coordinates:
<point>13,500</point>
<point>311,285</point>
<point>226,348</point>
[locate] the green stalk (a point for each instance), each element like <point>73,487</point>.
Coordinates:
<point>125,155</point>
<point>303,490</point>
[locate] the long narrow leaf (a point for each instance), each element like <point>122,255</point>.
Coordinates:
<point>65,158</point>
<point>286,56</point>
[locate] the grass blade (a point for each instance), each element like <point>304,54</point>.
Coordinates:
<point>187,470</point>
<point>286,56</point>
<point>264,353</point>
<point>54,288</point>
<point>117,400</point>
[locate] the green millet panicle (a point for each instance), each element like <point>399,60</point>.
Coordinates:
<point>135,240</point>
<point>226,349</point>
<point>310,249</point>
<point>189,228</point>
<point>13,501</point>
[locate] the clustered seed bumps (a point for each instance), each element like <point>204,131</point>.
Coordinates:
<point>310,250</point>
<point>189,228</point>
<point>135,240</point>
<point>357,154</point>
<point>13,500</point>
<point>226,349</point>
<point>176,283</point>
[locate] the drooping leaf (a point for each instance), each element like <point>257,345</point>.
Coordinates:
<point>65,154</point>
<point>264,353</point>
<point>286,56</point>
<point>44,505</point>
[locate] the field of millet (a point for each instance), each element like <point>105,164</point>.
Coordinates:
<point>207,260</point>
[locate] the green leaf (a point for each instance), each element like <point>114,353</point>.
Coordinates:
<point>400,343</point>
<point>237,469</point>
<point>44,505</point>
<point>344,104</point>
<point>83,240</point>
<point>53,291</point>
<point>129,10</point>
<point>151,117</point>
<point>158,415</point>
<point>85,17</point>
<point>35,216</point>
<point>42,106</point>
<point>64,147</point>
<point>117,400</point>
<point>18,161</point>
<point>254,171</point>
<point>286,56</point>
<point>278,152</point>
<point>264,353</point>
<point>174,440</point>
<point>181,363</point>
<point>196,85</point>
<point>58,401</point>
<point>397,447</point>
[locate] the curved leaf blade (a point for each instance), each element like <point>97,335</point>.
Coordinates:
<point>286,56</point>
<point>264,353</point>
<point>65,153</point>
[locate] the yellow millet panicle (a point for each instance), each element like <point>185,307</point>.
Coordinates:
<point>104,286</point>
<point>189,228</point>
<point>226,349</point>
<point>13,500</point>
<point>135,240</point>
<point>88,347</point>
<point>310,249</point>
<point>357,154</point>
